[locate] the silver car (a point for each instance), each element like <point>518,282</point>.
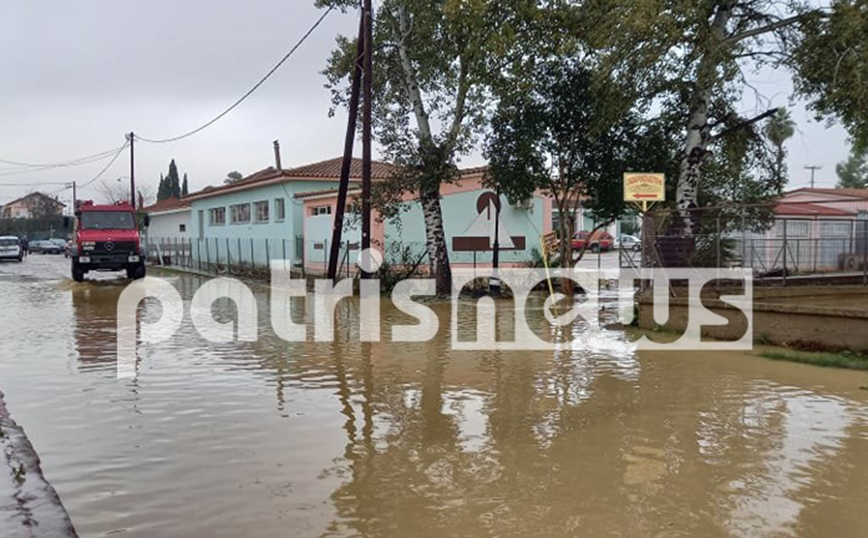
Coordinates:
<point>629,242</point>
<point>10,248</point>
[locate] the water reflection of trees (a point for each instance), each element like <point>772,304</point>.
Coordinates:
<point>440,442</point>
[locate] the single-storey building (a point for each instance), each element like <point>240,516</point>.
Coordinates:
<point>170,219</point>
<point>469,218</point>
<point>822,229</point>
<point>258,217</point>
<point>281,213</point>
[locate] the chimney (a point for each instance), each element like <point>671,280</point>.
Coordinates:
<point>277,154</point>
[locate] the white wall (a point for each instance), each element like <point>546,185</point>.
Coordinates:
<point>168,225</point>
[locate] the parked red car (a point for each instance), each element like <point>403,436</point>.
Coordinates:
<point>599,242</point>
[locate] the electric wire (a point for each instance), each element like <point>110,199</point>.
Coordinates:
<point>246,95</point>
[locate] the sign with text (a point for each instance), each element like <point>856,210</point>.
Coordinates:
<point>642,187</point>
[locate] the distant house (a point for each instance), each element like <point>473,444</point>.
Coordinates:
<point>34,205</point>
<point>170,220</point>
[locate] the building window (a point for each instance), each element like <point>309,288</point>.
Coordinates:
<point>795,228</point>
<point>321,210</point>
<point>217,216</point>
<point>182,228</point>
<point>279,209</point>
<point>835,229</point>
<point>239,213</point>
<point>261,211</point>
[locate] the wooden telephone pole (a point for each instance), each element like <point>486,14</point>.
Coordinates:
<point>132,138</point>
<point>363,66</point>
<point>367,21</point>
<point>813,170</point>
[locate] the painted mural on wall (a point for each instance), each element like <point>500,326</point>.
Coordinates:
<point>485,228</point>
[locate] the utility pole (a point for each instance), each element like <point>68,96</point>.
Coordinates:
<point>74,198</point>
<point>338,223</point>
<point>367,20</point>
<point>813,169</point>
<point>494,281</point>
<point>132,138</point>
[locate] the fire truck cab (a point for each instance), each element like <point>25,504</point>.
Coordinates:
<point>107,238</point>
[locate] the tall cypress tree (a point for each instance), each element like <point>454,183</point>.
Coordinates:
<point>161,190</point>
<point>184,189</point>
<point>174,187</point>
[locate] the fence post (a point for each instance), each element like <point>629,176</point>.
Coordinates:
<point>283,245</point>
<point>267,255</point>
<point>864,252</point>
<point>785,254</point>
<point>228,257</point>
<point>208,254</point>
<point>252,256</point>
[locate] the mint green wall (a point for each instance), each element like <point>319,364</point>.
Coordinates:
<point>459,212</point>
<point>275,231</point>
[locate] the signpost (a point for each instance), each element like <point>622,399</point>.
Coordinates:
<point>641,188</point>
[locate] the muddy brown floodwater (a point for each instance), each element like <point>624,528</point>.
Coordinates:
<point>340,439</point>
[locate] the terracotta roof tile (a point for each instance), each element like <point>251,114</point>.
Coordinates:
<point>808,209</point>
<point>853,193</point>
<point>329,170</point>
<point>167,205</point>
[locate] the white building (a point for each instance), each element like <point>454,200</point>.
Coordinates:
<point>170,221</point>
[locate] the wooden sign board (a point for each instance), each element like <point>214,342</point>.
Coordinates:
<point>641,187</point>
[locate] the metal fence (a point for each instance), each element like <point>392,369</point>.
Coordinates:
<point>773,247</point>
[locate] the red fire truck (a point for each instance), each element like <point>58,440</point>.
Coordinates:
<point>107,238</point>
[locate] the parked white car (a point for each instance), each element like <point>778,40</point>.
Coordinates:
<point>629,242</point>
<point>10,248</point>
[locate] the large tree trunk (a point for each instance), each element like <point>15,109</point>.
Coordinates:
<point>429,195</point>
<point>435,237</point>
<point>698,128</point>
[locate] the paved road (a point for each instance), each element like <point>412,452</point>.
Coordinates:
<point>48,267</point>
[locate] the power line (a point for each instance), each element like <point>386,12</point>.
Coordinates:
<point>70,162</point>
<point>249,92</point>
<point>80,162</point>
<point>68,185</point>
<point>106,167</point>
<point>30,169</point>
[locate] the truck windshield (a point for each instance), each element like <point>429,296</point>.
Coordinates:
<point>107,220</point>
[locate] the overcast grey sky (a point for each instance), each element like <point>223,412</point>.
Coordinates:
<point>78,75</point>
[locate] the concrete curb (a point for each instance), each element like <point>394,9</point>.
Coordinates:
<point>29,506</point>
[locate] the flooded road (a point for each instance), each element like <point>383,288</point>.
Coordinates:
<point>345,439</point>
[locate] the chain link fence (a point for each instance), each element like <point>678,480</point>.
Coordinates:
<point>772,246</point>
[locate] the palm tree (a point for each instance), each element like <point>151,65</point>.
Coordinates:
<point>779,129</point>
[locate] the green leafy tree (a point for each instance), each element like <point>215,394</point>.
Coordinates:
<point>432,60</point>
<point>690,60</point>
<point>561,138</point>
<point>232,177</point>
<point>853,173</point>
<point>184,187</point>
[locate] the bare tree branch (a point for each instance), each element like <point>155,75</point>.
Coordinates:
<point>743,124</point>
<point>766,29</point>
